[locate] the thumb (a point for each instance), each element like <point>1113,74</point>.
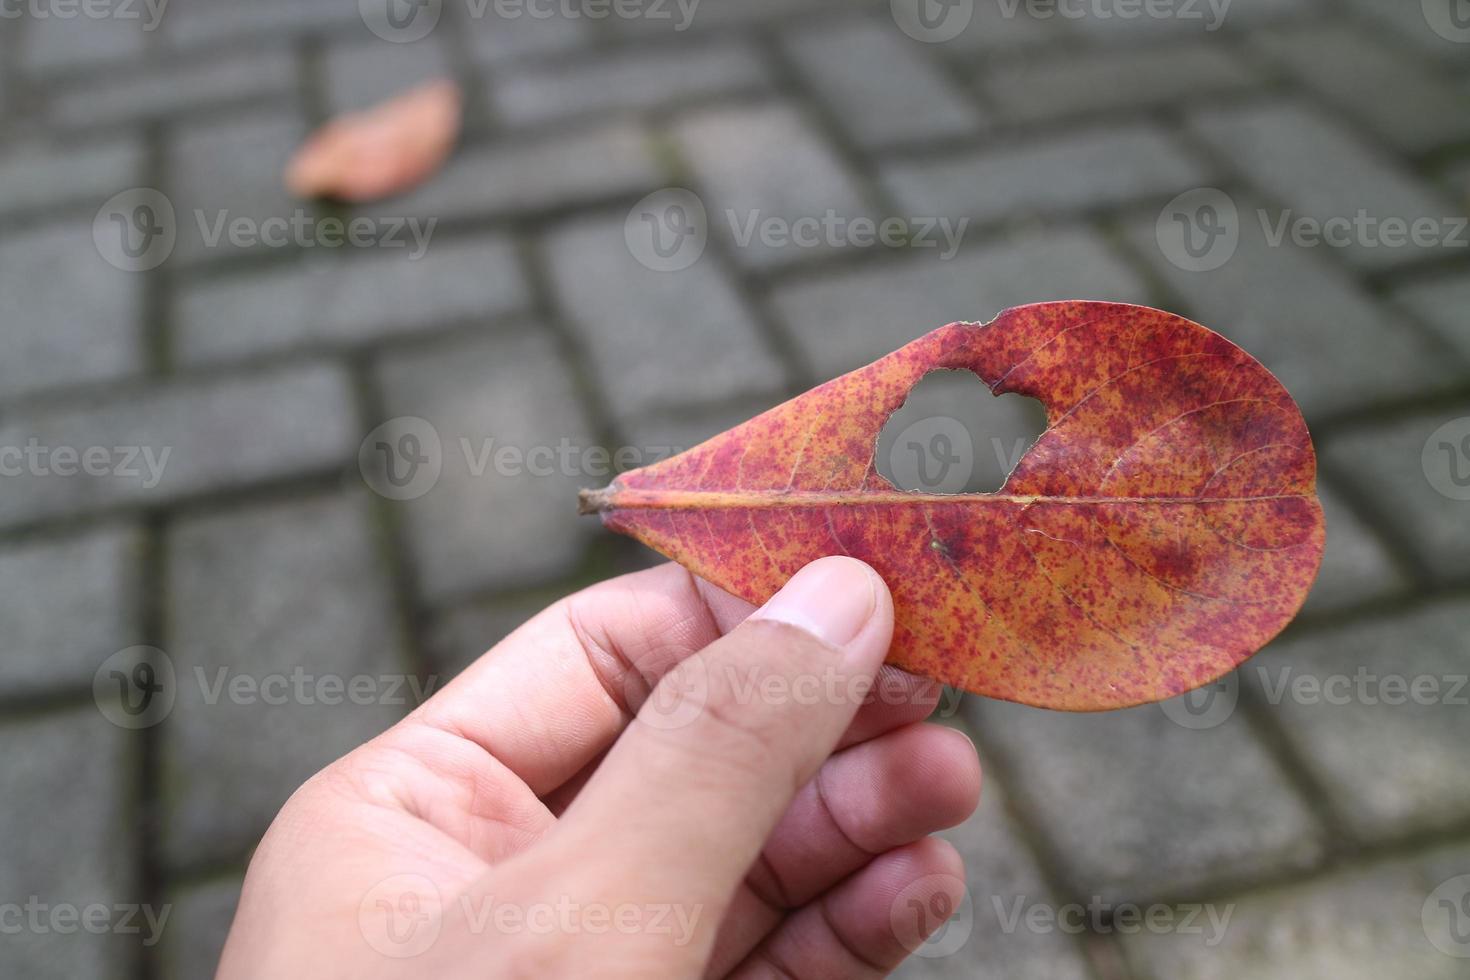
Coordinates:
<point>682,805</point>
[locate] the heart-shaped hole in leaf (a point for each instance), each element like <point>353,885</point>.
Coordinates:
<point>952,435</point>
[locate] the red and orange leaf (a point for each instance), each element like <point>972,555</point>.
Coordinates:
<point>1162,529</point>
<point>378,152</point>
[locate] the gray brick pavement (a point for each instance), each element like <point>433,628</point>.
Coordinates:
<point>638,79</point>
<point>159,91</point>
<point>340,300</point>
<point>1082,169</point>
<point>1141,808</point>
<point>1387,462</point>
<point>1443,302</point>
<point>361,73</point>
<point>765,162</point>
<point>1379,710</point>
<point>71,839</point>
<point>40,173</point>
<point>1029,88</point>
<point>1316,169</point>
<point>493,520</point>
<point>1355,566</point>
<point>72,318</point>
<point>218,434</point>
<point>911,99</point>
<point>69,603</point>
<point>1393,93</point>
<point>535,173</point>
<point>646,345</point>
<point>242,634</point>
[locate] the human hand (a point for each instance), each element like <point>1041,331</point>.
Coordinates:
<point>759,817</point>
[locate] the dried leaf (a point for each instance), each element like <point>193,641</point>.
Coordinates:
<point>1162,529</point>
<point>364,156</point>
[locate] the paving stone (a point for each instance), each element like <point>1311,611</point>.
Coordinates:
<point>67,831</point>
<point>1410,22</point>
<point>1355,566</point>
<point>1309,164</point>
<point>1392,94</point>
<point>69,38</point>
<point>200,921</point>
<point>502,513</point>
<point>1387,463</point>
<point>496,39</point>
<point>230,169</point>
<point>521,175</point>
<point>460,636</point>
<point>363,73</point>
<point>214,22</point>
<point>40,173</point>
<point>655,337</point>
<point>632,79</point>
<point>1379,711</point>
<point>843,320</point>
<point>1444,303</point>
<point>331,299</point>
<point>162,90</point>
<point>1364,923</point>
<point>766,162</point>
<point>238,615</point>
<point>1083,169</point>
<point>909,99</point>
<point>1027,89</point>
<point>1295,310</point>
<point>1139,807</point>
<point>1002,877</point>
<point>70,316</point>
<point>218,432</point>
<point>67,603</point>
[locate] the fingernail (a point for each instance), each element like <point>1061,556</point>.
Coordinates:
<point>832,598</point>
